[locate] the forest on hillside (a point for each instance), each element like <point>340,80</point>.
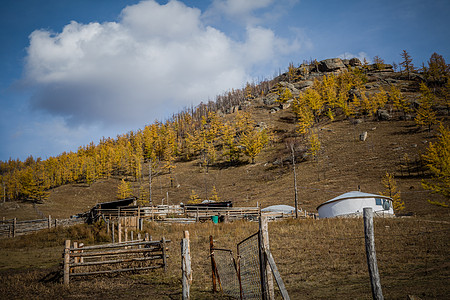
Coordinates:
<point>224,132</point>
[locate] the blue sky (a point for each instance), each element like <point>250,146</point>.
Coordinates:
<point>72,71</point>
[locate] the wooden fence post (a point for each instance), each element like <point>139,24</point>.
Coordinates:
<point>371,254</point>
<point>213,263</point>
<point>81,245</point>
<point>265,237</point>
<point>138,218</point>
<point>14,227</point>
<point>262,263</point>
<point>186,271</point>
<point>163,244</point>
<point>112,231</point>
<point>49,221</point>
<point>76,259</point>
<point>119,232</point>
<point>66,262</point>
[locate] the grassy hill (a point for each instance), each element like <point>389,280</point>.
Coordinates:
<point>343,164</point>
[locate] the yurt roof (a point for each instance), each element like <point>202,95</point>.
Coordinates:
<point>354,195</point>
<point>279,208</point>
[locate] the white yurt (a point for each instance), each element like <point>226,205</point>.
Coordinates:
<point>353,203</point>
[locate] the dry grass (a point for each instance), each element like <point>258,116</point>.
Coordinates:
<point>318,259</point>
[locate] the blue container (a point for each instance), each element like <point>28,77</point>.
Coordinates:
<point>215,219</point>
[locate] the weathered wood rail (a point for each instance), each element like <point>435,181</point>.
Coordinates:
<point>132,256</point>
<point>13,227</point>
<point>228,213</point>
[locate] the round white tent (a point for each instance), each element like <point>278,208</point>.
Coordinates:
<point>353,203</point>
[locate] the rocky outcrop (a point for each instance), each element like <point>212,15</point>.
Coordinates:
<point>331,65</point>
<point>355,62</point>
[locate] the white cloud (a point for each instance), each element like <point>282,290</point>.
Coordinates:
<point>361,55</point>
<point>156,60</point>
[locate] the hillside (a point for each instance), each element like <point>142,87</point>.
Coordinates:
<point>344,162</point>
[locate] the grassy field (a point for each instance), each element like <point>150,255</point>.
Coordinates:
<point>318,259</point>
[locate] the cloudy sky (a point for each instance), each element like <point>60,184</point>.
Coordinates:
<point>73,71</point>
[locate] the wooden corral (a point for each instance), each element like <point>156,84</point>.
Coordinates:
<point>136,255</point>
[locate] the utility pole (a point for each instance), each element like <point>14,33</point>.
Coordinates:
<point>150,182</point>
<point>295,181</point>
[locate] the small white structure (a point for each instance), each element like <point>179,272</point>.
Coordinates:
<point>352,204</point>
<point>285,209</point>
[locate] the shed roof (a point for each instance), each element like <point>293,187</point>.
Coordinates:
<point>354,195</point>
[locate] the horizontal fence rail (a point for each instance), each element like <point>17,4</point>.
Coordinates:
<point>137,255</point>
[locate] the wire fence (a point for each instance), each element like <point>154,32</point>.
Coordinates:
<point>227,271</point>
<point>249,267</point>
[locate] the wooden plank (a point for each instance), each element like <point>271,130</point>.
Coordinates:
<point>277,275</point>
<point>117,261</point>
<point>117,245</point>
<point>115,252</point>
<point>372,265</point>
<point>117,271</point>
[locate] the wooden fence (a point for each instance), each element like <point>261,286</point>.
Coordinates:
<point>132,217</point>
<point>132,256</point>
<point>12,227</point>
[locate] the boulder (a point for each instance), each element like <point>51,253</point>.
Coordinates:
<point>354,62</point>
<point>270,99</point>
<point>285,105</point>
<point>363,136</point>
<point>383,115</point>
<point>331,65</point>
<point>303,84</point>
<point>274,109</point>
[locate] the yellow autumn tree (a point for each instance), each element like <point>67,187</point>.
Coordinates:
<point>253,142</point>
<point>399,101</point>
<point>124,190</point>
<point>285,96</point>
<point>193,198</point>
<point>391,191</point>
<point>438,161</point>
<point>425,116</point>
<point>215,195</point>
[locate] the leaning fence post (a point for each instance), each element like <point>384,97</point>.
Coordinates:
<point>186,266</point>
<point>66,262</point>
<point>371,254</point>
